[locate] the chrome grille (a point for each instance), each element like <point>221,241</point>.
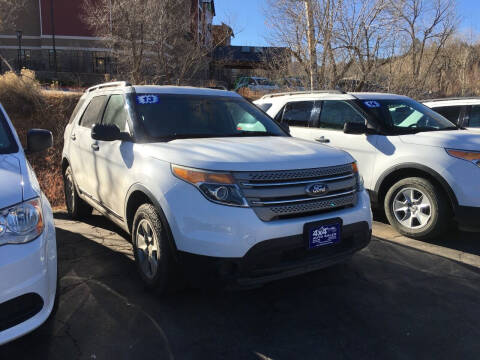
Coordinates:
<point>280,194</point>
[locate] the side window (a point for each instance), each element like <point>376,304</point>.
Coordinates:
<point>452,113</point>
<point>93,112</point>
<point>474,116</point>
<point>115,112</point>
<point>336,113</point>
<point>298,113</point>
<point>76,110</point>
<point>252,82</point>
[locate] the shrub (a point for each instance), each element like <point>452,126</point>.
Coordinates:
<point>31,107</point>
<point>21,94</point>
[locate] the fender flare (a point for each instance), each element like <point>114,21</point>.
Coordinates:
<point>415,166</point>
<point>156,203</point>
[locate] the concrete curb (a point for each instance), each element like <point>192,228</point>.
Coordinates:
<point>385,232</point>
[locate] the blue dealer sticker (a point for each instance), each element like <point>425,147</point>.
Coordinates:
<point>372,104</point>
<point>147,99</point>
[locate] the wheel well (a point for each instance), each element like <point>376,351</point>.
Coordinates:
<point>65,164</point>
<point>136,199</point>
<point>399,174</point>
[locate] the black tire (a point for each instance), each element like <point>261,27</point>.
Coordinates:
<point>438,214</point>
<point>76,207</point>
<point>163,277</point>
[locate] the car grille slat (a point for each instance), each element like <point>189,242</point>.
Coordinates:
<point>275,195</point>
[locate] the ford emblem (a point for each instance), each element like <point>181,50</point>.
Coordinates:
<point>316,189</point>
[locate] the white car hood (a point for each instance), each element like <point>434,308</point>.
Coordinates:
<point>455,139</point>
<point>10,181</point>
<point>247,153</point>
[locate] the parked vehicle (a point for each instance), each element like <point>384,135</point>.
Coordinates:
<point>208,184</point>
<point>255,83</point>
<point>291,84</point>
<point>28,251</point>
<point>465,112</point>
<point>421,168</point>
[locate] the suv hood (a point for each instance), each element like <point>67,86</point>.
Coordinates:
<point>454,139</point>
<point>263,153</point>
<point>10,181</point>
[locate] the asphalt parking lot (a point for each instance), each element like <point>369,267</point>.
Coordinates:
<point>389,301</point>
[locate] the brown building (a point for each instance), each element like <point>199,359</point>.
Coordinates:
<point>55,42</point>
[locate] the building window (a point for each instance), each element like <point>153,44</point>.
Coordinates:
<point>100,63</point>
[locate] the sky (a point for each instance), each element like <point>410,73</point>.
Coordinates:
<point>248,19</point>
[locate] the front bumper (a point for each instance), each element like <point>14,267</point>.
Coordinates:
<point>201,227</point>
<point>28,279</point>
<point>275,259</point>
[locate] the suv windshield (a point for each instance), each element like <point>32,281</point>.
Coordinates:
<point>7,142</point>
<point>406,115</point>
<point>173,116</point>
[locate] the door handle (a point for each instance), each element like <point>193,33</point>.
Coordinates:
<point>73,137</point>
<point>95,147</point>
<point>322,140</point>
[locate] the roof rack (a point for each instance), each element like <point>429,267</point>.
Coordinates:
<point>452,98</point>
<point>304,92</point>
<point>109,84</point>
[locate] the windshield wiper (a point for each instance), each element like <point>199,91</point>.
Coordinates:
<point>253,133</point>
<point>172,137</point>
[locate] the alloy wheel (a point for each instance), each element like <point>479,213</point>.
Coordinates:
<point>412,208</point>
<point>147,249</point>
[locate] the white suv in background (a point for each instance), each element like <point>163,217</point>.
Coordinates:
<point>28,248</point>
<point>465,112</point>
<point>421,168</point>
<point>206,182</point>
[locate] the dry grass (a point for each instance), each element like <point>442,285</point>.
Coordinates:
<point>30,107</point>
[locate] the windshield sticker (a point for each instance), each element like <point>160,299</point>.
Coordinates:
<point>372,104</point>
<point>147,99</point>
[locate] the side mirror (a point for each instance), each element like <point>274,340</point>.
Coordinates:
<point>354,128</point>
<point>106,132</point>
<point>38,140</point>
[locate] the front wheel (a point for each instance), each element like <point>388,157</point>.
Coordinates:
<point>152,250</point>
<point>417,209</point>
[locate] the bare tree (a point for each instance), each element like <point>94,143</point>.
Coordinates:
<point>364,30</point>
<point>151,40</point>
<point>423,25</point>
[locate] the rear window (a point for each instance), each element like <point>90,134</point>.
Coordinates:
<point>93,112</point>
<point>76,110</point>
<point>8,144</point>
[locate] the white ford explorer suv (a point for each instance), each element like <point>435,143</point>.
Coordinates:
<point>207,183</point>
<point>465,112</point>
<point>421,168</point>
<point>28,249</point>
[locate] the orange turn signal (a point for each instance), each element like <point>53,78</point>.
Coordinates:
<point>195,176</point>
<point>355,168</point>
<point>465,155</point>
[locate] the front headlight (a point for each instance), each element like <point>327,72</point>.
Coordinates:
<point>215,186</point>
<point>21,223</point>
<point>472,156</point>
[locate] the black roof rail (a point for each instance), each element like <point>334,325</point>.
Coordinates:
<point>306,92</point>
<point>109,84</point>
